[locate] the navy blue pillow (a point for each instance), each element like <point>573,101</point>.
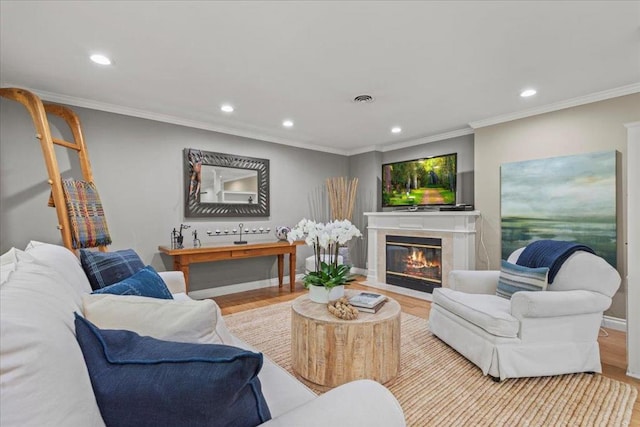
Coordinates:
<point>141,381</point>
<point>106,268</point>
<point>145,283</point>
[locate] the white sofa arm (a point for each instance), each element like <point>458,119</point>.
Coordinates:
<point>358,403</point>
<point>474,281</point>
<point>557,303</point>
<point>174,280</point>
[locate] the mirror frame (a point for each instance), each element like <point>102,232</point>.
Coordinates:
<point>194,208</point>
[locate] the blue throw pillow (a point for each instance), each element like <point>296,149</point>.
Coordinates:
<point>514,278</point>
<point>141,381</point>
<point>106,268</point>
<point>145,283</point>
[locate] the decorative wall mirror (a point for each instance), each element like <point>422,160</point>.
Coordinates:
<point>224,185</point>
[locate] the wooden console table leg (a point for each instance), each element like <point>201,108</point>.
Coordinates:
<point>292,270</point>
<point>280,269</point>
<point>179,266</point>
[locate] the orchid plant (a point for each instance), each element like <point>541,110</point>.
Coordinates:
<point>325,239</point>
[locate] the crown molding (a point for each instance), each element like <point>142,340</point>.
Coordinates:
<point>142,114</point>
<point>573,102</point>
<point>413,142</point>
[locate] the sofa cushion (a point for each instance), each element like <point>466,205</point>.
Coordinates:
<point>514,278</point>
<point>488,312</point>
<point>282,390</point>
<point>144,283</point>
<point>106,268</point>
<point>8,261</point>
<point>135,380</point>
<point>61,260</point>
<point>43,378</point>
<point>172,320</point>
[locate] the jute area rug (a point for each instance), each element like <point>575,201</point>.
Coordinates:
<point>438,387</point>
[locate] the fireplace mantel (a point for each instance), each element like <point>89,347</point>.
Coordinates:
<point>457,229</point>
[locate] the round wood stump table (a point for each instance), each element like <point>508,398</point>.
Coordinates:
<point>328,351</point>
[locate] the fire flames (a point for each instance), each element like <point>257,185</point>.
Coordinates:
<point>418,264</point>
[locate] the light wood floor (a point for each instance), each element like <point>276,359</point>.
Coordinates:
<point>612,342</point>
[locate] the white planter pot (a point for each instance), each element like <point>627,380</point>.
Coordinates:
<point>322,295</point>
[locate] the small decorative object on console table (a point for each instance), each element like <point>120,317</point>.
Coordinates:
<point>177,238</point>
<point>281,232</point>
<point>234,232</point>
<point>327,282</point>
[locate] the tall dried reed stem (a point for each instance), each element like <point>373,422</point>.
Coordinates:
<point>342,197</point>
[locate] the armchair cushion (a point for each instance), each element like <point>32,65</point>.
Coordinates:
<point>554,304</point>
<point>514,278</point>
<point>489,312</point>
<point>474,281</point>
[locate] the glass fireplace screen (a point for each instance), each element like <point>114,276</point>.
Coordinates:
<point>414,262</point>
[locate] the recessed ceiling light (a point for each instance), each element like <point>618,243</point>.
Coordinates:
<point>396,129</point>
<point>527,92</point>
<point>227,108</point>
<point>100,59</point>
<point>287,123</point>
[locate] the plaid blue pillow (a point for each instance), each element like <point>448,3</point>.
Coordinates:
<point>106,268</point>
<point>514,278</point>
<point>145,283</point>
<point>138,379</point>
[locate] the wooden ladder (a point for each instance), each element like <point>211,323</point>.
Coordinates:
<point>39,111</point>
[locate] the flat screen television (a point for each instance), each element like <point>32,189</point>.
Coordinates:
<point>430,181</point>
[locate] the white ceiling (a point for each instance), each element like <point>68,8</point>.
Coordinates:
<point>433,67</point>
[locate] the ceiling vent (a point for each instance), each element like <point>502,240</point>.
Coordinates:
<point>363,99</point>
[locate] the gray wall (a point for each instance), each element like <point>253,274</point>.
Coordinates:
<point>366,167</point>
<point>137,166</point>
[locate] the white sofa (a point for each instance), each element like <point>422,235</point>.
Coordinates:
<point>44,380</point>
<point>534,333</point>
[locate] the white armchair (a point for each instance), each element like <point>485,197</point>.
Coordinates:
<point>535,333</point>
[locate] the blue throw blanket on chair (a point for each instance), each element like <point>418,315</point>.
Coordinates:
<point>549,253</point>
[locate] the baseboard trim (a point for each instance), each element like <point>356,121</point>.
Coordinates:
<point>360,271</point>
<point>238,287</point>
<point>633,374</point>
<point>614,323</point>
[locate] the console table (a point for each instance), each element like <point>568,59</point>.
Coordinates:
<point>182,258</point>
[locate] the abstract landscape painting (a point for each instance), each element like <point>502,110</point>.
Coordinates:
<point>562,198</point>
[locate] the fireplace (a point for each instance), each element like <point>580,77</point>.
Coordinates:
<point>414,262</point>
<point>456,232</point>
